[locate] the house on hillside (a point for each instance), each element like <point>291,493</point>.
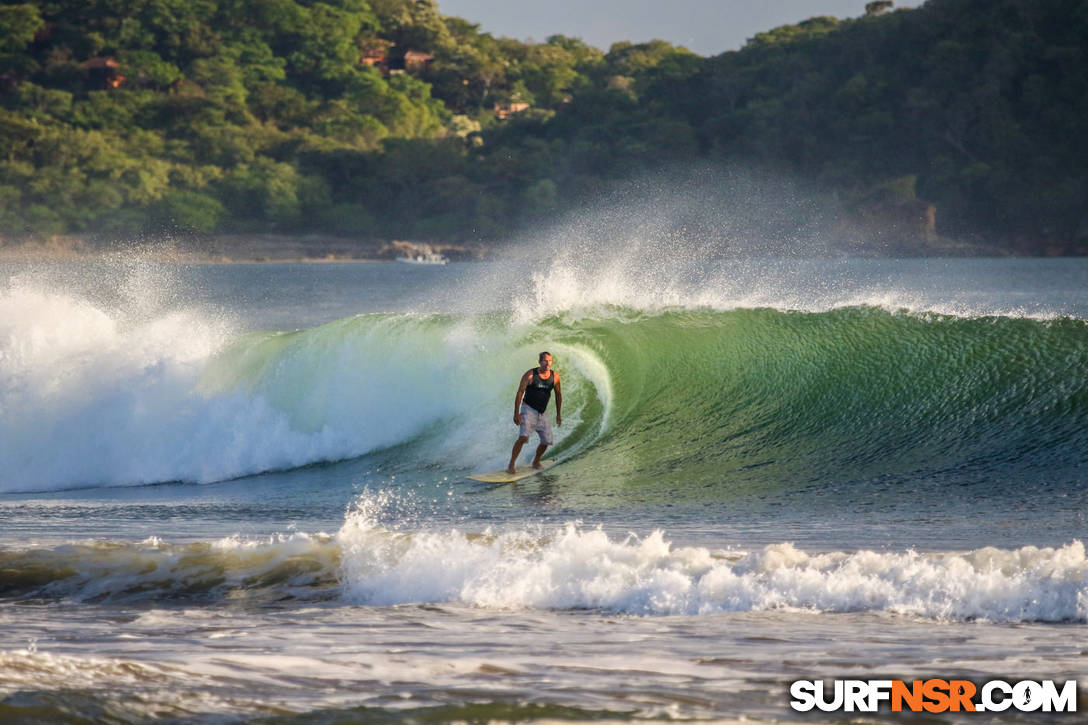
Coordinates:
<point>415,61</point>
<point>103,73</point>
<point>375,53</point>
<point>509,108</point>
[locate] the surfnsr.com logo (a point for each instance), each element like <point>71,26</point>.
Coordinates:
<point>934,695</point>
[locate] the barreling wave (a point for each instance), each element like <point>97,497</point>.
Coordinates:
<point>711,398</point>
<point>777,398</point>
<point>565,567</point>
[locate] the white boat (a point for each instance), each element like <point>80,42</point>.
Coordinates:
<point>429,258</point>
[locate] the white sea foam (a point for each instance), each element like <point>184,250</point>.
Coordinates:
<point>575,568</point>
<point>97,394</point>
<point>91,396</point>
<point>382,561</point>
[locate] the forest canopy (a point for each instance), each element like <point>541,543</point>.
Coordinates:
<point>385,118</point>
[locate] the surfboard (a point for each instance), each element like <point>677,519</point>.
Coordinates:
<point>504,476</point>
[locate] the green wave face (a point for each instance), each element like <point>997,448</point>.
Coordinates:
<point>714,403</point>
<point>691,404</point>
<point>701,404</point>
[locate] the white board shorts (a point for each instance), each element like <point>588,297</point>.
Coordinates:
<point>534,421</point>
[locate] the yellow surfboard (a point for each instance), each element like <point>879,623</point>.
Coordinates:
<point>504,476</point>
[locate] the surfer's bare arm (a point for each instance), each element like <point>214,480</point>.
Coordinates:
<point>521,393</point>
<point>558,401</point>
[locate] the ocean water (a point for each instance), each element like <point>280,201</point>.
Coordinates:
<point>237,493</point>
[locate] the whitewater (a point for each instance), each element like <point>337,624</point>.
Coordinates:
<point>236,493</point>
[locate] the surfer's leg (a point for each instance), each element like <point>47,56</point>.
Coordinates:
<point>544,430</point>
<point>528,422</point>
<point>521,441</point>
<point>539,452</point>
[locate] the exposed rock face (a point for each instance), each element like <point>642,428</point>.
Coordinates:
<point>888,225</point>
<point>889,219</point>
<point>453,252</point>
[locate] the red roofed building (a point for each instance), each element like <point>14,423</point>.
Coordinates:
<point>416,61</point>
<point>375,52</point>
<point>103,72</point>
<point>506,110</point>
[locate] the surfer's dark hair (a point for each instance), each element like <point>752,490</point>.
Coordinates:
<point>540,357</point>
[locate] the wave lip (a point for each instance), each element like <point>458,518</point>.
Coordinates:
<point>576,568</point>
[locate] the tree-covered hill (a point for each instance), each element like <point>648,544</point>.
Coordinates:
<point>983,102</point>
<point>384,118</point>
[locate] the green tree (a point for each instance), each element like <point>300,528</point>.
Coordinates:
<point>188,211</point>
<point>18,26</point>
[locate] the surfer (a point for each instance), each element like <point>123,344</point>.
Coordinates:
<point>530,406</point>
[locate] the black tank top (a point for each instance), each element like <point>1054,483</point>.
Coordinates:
<point>539,391</point>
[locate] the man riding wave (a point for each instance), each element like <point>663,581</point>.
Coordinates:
<point>530,409</point>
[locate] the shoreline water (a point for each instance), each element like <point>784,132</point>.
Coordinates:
<point>241,249</point>
<point>319,248</point>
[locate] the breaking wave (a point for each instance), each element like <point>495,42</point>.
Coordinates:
<point>564,567</point>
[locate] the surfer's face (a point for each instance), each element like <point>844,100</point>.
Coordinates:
<point>546,363</point>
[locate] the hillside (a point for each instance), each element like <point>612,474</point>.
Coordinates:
<point>961,120</point>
